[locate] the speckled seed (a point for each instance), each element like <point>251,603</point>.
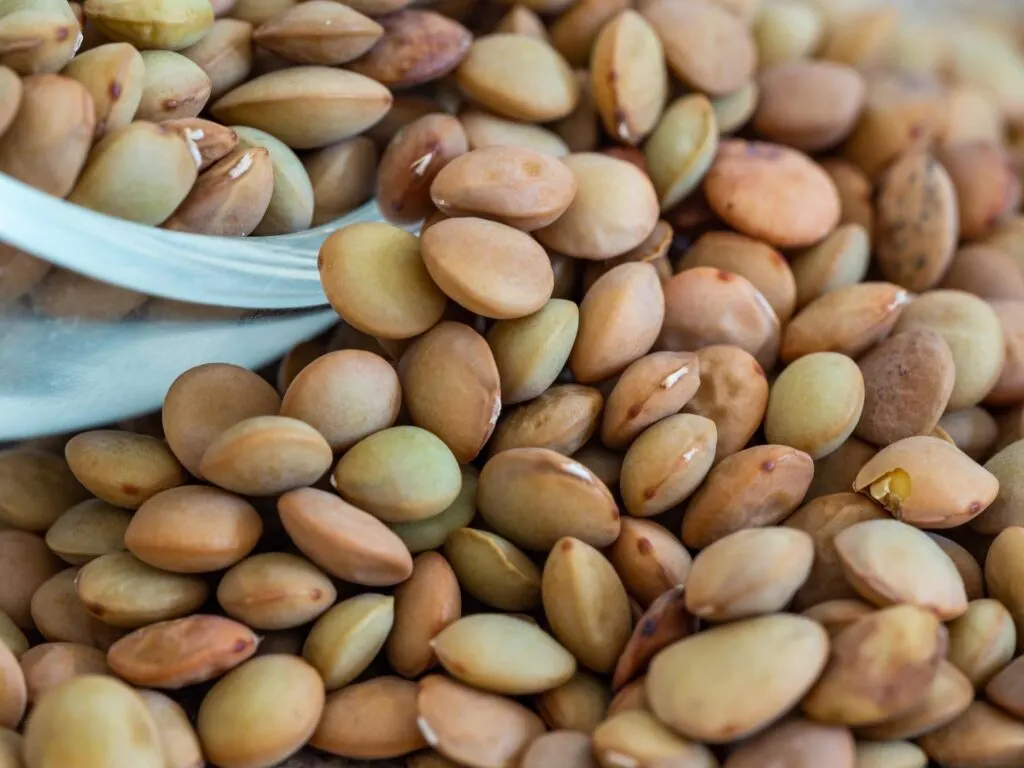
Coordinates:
<point>306,107</point>
<point>849,320</point>
<point>682,148</point>
<point>754,488</point>
<point>733,393</point>
<point>927,482</point>
<point>840,260</point>
<point>412,160</point>
<point>421,535</point>
<point>265,456</point>
<point>177,736</point>
<point>983,735</point>
<point>95,719</point>
<point>284,693</point>
<point>562,419</point>
<point>493,570</point>
<point>760,264</point>
<point>371,720</point>
<point>318,33</point>
<point>114,75</point>
<point>535,496</point>
<point>620,318</point>
<point>123,468</point>
<point>275,590</point>
<point>205,401</point>
<point>918,225</point>
<point>565,748</point>
<point>452,357</point>
<point>36,488</point>
<point>125,592</point>
<point>649,559</point>
<point>903,643</point>
<point>748,573</point>
<point>531,351</point>
<point>193,529</point>
<point>578,705</point>
<point>971,329</point>
<point>808,105</point>
<point>745,675</point>
<point>87,530</point>
<point>424,605</point>
<point>586,604</point>
<point>489,268</point>
<point>889,562</point>
<point>705,306</point>
<point>708,48</point>
<point>343,540</point>
<point>175,654</point>
<point>541,88</point>
<point>742,187</point>
<point>345,640</point>
<point>824,518</point>
<point>667,463</point>
<point>815,403</point>
<point>473,727</point>
<point>614,210</point>
<point>908,379</point>
<point>59,614</point>
<point>987,188</point>
<point>799,743</point>
<point>982,641</point>
<point>634,735</point>
<point>517,186</point>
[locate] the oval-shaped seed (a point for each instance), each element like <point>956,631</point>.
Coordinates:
<point>748,573</point>
<point>746,675</point>
<point>586,604</point>
<point>345,640</point>
<point>182,652</point>
<point>578,705</point>
<point>889,562</point>
<point>225,54</point>
<point>177,736</point>
<point>123,591</point>
<point>648,559</point>
<point>540,89</point>
<point>343,177</point>
<point>36,488</point>
<point>706,306</point>
<point>927,482</point>
<point>47,142</point>
<point>193,529</point>
<point>431,533</point>
<point>39,37</point>
<point>949,696</point>
<point>284,693</point>
<point>306,107</point>
<point>634,735</point>
<point>275,590</point>
<point>741,188</point>
<point>754,488</point>
<point>667,463</point>
<point>972,330</point>
<point>665,622</point>
<point>815,403</point>
<point>903,643</point>
<point>707,47</point>
<point>614,210</point>
<point>503,654</point>
<point>565,748</point>
<point>653,250</point>
<point>174,87</point>
<point>375,279</point>
<point>486,130</point>
<point>347,542</point>
<point>113,726</point>
<point>25,564</point>
<point>400,474</point>
<point>840,260</point>
<point>374,720</point>
<point>59,614</point>
<point>291,204</point>
<point>489,268</point>
<point>823,518</point>
<point>118,177</point>
<point>473,727</point>
<point>629,81</point>
<point>114,74</point>
<point>148,25</point>
<point>417,47</point>
<point>733,393</point>
<point>265,456</point>
<point>516,186</point>
<point>531,351</point>
<point>424,605</point>
<point>800,744</point>
<point>562,419</point>
<point>983,735</point>
<point>987,188</point>
<point>985,271</point>
<point>493,570</point>
<point>535,496</point>
<point>87,530</point>
<point>318,33</point>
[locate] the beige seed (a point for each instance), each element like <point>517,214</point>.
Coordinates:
<point>177,736</point>
<point>493,570</point>
<point>345,640</point>
<point>424,605</point>
<point>275,590</point>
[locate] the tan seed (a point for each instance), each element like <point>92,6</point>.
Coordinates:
<point>648,559</point>
<point>87,530</point>
<point>493,570</point>
<point>152,25</point>
<point>431,533</point>
<point>417,47</point>
<point>318,32</point>
<point>36,488</point>
<point>177,736</point>
<point>578,705</point>
<point>631,736</point>
<point>424,605</point>
<point>114,74</point>
<point>345,640</point>
<point>25,564</point>
<point>275,590</point>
